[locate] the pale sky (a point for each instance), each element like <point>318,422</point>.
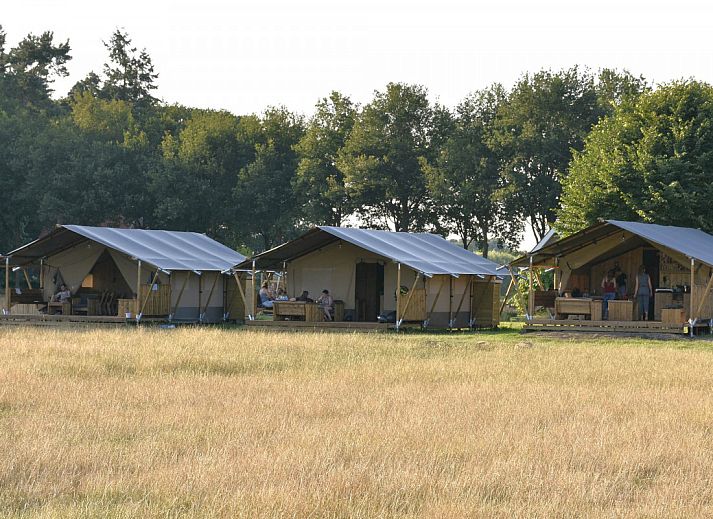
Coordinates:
<point>245,56</point>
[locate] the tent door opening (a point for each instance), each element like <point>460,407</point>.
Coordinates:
<point>368,289</point>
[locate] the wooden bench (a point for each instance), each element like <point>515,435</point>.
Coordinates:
<point>310,312</point>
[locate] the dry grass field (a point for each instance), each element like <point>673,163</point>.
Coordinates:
<point>237,423</point>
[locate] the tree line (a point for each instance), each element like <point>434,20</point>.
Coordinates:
<point>571,144</point>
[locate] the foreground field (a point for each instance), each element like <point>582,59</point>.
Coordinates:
<point>235,423</point>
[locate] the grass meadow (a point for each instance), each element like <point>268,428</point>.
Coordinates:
<point>218,422</point>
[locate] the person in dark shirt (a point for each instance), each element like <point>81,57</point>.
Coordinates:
<point>305,297</point>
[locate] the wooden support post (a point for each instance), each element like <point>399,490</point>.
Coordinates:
<point>242,293</point>
<point>470,308</point>
<point>42,273</point>
<point>692,299</point>
<point>180,295</point>
<point>450,302</point>
<point>148,295</point>
<point>433,305</point>
<point>703,297</point>
<point>398,295</point>
<point>531,295</point>
<point>138,289</point>
<point>555,273</point>
<point>7,285</point>
<point>210,294</point>
<point>408,299</point>
<point>200,295</point>
<point>27,278</point>
<point>253,296</point>
<point>462,298</point>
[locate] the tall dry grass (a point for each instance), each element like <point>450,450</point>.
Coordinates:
<point>235,423</point>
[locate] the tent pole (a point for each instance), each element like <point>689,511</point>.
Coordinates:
<point>398,295</point>
<point>531,294</point>
<point>42,273</point>
<point>242,294</point>
<point>210,294</point>
<point>138,290</point>
<point>27,278</point>
<point>7,285</point>
<point>180,294</point>
<point>450,302</point>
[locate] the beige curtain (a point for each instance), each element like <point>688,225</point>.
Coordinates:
<point>72,266</point>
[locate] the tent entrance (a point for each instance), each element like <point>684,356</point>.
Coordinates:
<point>101,288</point>
<point>368,291</point>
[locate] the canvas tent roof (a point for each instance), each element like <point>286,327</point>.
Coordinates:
<point>424,252</point>
<point>692,243</point>
<point>166,250</point>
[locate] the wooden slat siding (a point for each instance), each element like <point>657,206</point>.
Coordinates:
<point>416,310</point>
<point>236,298</point>
<point>158,302</point>
<point>486,301</point>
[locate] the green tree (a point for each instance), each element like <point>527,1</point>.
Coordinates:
<point>266,207</point>
<point>546,117</point>
<point>650,161</point>
<point>193,183</point>
<point>465,180</point>
<point>28,70</point>
<point>130,74</point>
<point>319,182</point>
<point>382,157</point>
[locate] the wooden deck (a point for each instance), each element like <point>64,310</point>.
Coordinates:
<point>44,319</point>
<point>319,325</point>
<point>581,325</point>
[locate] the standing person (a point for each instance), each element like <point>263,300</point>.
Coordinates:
<point>621,282</point>
<point>643,293</point>
<point>608,291</point>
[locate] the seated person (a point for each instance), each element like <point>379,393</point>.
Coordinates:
<point>305,297</point>
<point>266,298</point>
<point>62,296</point>
<point>281,295</point>
<point>326,302</point>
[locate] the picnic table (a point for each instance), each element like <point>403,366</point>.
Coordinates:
<point>310,312</point>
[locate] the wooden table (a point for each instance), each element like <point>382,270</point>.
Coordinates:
<point>310,312</point>
<point>572,306</point>
<point>621,310</point>
<point>64,308</point>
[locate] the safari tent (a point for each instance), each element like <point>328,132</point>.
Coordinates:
<point>441,284</point>
<point>118,273</point>
<point>678,260</point>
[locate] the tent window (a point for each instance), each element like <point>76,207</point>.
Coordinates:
<point>88,281</point>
